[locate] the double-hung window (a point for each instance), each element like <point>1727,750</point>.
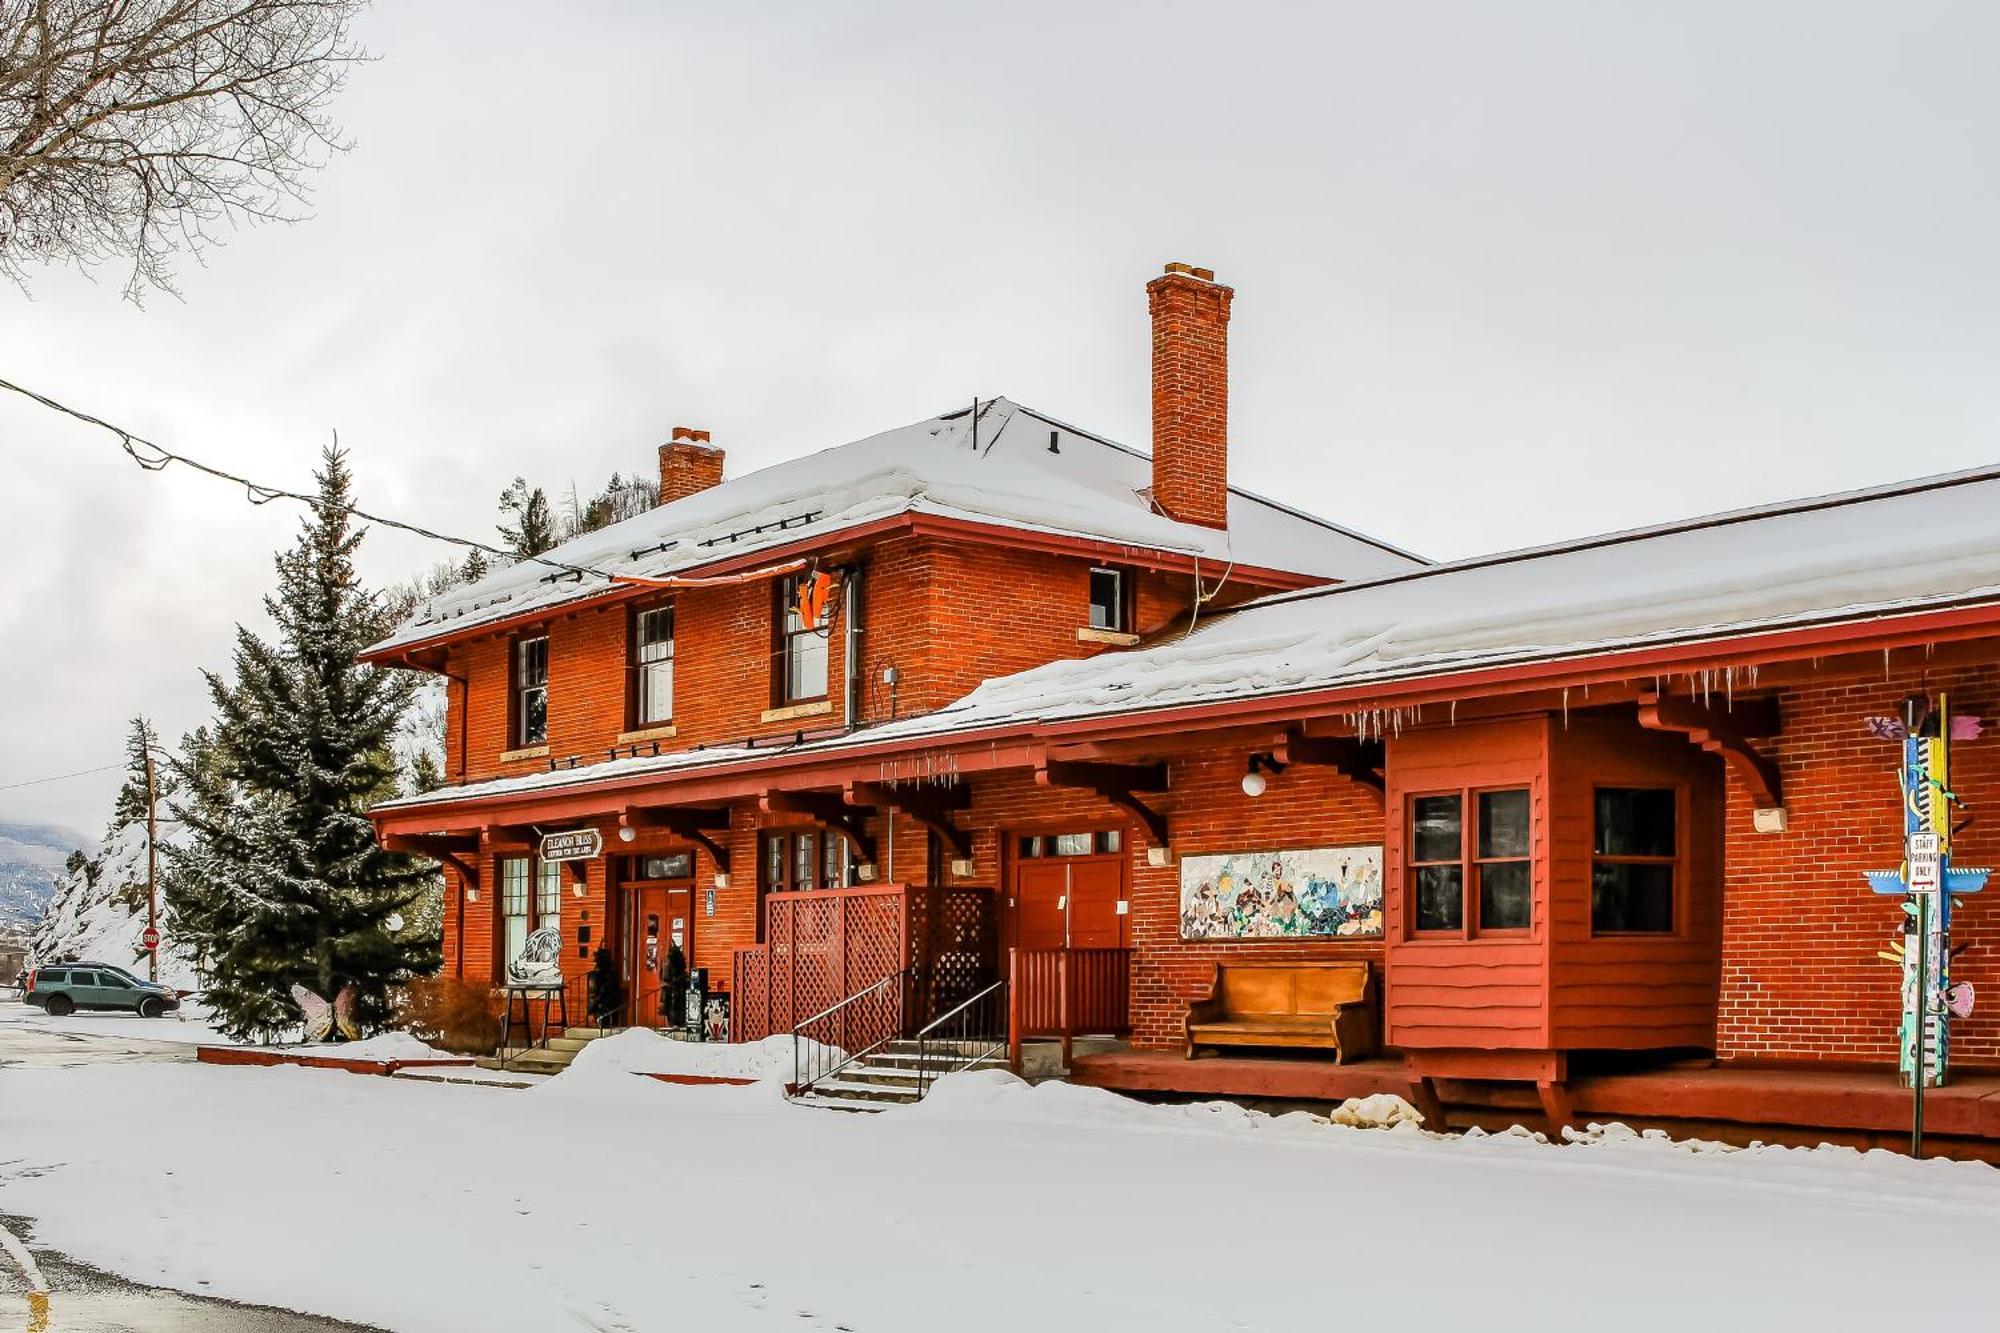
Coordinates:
<point>531,691</point>
<point>514,908</point>
<point>802,646</point>
<point>1107,599</point>
<point>1634,860</point>
<point>1476,875</point>
<point>653,667</point>
<point>548,893</point>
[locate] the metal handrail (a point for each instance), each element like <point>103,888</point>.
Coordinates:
<point>928,1033</point>
<point>801,1081</point>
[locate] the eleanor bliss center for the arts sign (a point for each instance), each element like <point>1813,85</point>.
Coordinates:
<point>1319,892</point>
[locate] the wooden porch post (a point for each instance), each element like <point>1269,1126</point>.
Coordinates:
<point>1014,1010</point>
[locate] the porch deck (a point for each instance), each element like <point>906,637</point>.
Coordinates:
<point>1735,1103</point>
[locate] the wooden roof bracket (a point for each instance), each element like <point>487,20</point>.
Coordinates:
<point>690,822</point>
<point>1360,762</point>
<point>929,807</point>
<point>1727,731</point>
<point>828,809</point>
<point>1116,783</point>
<point>441,847</point>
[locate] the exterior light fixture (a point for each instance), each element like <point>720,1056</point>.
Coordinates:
<point>722,880</point>
<point>626,833</point>
<point>962,867</point>
<point>472,895</point>
<point>1254,782</point>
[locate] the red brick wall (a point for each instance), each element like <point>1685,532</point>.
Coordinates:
<point>1800,979</point>
<point>1191,394</point>
<point>1304,807</point>
<point>945,616</point>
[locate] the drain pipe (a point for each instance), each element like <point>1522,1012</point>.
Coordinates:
<point>850,601</point>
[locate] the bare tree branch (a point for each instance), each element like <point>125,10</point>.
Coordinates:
<point>130,129</point>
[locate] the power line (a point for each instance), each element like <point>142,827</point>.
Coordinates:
<point>156,457</point>
<point>59,777</point>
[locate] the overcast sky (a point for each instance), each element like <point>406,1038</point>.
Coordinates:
<point>1504,274</point>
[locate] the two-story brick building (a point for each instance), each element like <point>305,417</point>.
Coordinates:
<point>989,696</point>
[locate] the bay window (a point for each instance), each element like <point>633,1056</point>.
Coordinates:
<point>1476,880</point>
<point>1635,861</point>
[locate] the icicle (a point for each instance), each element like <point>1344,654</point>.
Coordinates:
<point>1885,664</point>
<point>1729,688</point>
<point>1565,708</point>
<point>1454,712</point>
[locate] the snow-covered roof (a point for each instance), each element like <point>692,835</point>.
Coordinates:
<point>1892,550</point>
<point>1030,472</point>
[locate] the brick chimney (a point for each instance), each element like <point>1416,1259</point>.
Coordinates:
<point>688,463</point>
<point>1190,312</point>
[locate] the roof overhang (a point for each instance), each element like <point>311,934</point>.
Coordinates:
<point>1023,743</point>
<point>426,654</point>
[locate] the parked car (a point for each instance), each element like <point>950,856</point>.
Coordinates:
<point>64,988</point>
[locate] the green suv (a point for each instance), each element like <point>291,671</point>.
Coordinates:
<point>64,988</point>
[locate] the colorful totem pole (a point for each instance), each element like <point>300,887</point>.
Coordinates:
<point>1929,883</point>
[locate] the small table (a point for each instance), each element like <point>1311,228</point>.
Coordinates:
<point>550,992</point>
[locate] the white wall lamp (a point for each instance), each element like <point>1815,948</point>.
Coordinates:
<point>722,880</point>
<point>962,867</point>
<point>626,833</point>
<point>1254,781</point>
<point>1160,856</point>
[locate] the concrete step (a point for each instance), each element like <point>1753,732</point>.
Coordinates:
<point>586,1034</point>
<point>844,1089</point>
<point>570,1044</point>
<point>936,1059</point>
<point>965,1049</point>
<point>840,1104</point>
<point>539,1061</point>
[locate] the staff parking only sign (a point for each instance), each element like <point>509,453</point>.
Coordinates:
<point>584,844</point>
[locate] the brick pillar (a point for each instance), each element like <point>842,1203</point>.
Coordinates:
<point>1190,312</point>
<point>688,463</point>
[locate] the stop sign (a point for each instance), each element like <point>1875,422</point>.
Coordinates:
<point>151,938</point>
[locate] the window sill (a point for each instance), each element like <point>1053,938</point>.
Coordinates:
<point>525,752</point>
<point>1118,638</point>
<point>664,732</point>
<point>817,708</point>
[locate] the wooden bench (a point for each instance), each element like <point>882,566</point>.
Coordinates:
<point>1315,1005</point>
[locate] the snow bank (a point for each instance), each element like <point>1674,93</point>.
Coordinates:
<point>382,1046</point>
<point>641,1051</point>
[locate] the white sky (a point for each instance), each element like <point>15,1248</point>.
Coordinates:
<point>1504,274</point>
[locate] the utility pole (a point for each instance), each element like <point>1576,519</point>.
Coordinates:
<point>152,868</point>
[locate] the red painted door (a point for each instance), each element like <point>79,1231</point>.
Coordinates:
<point>1040,909</point>
<point>1096,892</point>
<point>646,954</point>
<point>1069,902</point>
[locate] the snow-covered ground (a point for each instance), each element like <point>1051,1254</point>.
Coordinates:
<point>600,1200</point>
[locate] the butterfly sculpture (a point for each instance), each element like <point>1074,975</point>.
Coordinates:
<point>322,1018</point>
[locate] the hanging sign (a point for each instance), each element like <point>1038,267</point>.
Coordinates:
<point>582,844</point>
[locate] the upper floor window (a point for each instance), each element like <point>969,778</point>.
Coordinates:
<point>1633,861</point>
<point>802,644</point>
<point>531,691</point>
<point>1107,600</point>
<point>653,667</point>
<point>1464,884</point>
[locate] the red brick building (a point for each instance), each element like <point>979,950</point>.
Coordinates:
<point>988,693</point>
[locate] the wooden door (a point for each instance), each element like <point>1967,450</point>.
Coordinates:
<point>646,953</point>
<point>1041,909</point>
<point>1096,891</point>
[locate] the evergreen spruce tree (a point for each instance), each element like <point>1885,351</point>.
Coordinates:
<point>129,806</point>
<point>283,883</point>
<point>533,530</point>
